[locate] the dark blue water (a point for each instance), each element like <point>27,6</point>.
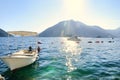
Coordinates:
<point>61,59</point>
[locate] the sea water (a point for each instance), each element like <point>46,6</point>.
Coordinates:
<point>61,59</point>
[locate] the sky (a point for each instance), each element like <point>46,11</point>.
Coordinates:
<point>38,15</point>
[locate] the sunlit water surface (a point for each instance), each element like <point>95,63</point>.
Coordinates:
<point>61,59</point>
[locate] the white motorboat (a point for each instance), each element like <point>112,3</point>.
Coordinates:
<point>20,59</point>
<point>74,38</point>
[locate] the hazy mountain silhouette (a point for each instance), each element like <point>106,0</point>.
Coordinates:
<point>115,32</point>
<point>71,28</point>
<point>3,33</point>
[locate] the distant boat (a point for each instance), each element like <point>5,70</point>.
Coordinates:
<point>74,38</point>
<point>89,41</point>
<point>39,42</point>
<point>20,59</point>
<point>97,41</point>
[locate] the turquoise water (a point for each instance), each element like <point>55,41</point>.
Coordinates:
<point>61,59</point>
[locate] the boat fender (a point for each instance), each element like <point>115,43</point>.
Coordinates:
<point>37,57</point>
<point>2,78</point>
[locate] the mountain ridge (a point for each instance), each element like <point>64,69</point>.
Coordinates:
<point>23,33</point>
<point>115,32</point>
<point>4,33</point>
<point>70,27</point>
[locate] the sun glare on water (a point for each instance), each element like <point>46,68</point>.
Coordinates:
<point>72,51</point>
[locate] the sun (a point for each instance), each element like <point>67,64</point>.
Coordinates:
<point>73,8</point>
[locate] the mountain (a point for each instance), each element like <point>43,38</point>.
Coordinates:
<point>71,28</point>
<point>115,32</point>
<point>23,33</point>
<point>3,33</point>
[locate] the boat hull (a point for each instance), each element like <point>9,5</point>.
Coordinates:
<point>18,61</point>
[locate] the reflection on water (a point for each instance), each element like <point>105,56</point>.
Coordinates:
<point>72,52</point>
